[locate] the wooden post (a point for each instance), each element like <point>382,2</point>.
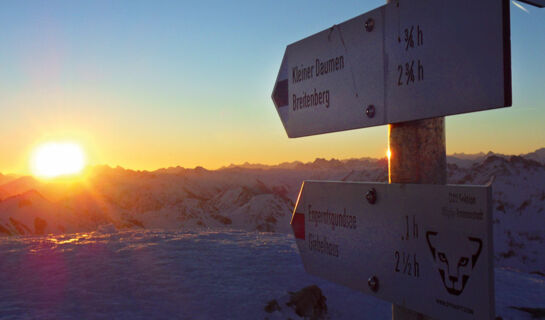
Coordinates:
<point>417,154</point>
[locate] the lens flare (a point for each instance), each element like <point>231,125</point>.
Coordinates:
<point>54,159</point>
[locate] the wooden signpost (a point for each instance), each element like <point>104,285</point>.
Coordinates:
<point>416,242</point>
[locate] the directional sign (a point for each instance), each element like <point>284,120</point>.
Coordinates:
<point>425,247</point>
<point>407,60</point>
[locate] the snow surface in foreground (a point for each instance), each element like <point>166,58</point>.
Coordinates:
<point>154,274</point>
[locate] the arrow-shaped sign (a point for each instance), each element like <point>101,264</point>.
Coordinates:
<point>407,60</point>
<point>425,247</point>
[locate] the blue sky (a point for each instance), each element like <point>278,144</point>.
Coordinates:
<point>149,84</point>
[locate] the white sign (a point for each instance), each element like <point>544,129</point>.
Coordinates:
<point>407,60</point>
<point>425,247</point>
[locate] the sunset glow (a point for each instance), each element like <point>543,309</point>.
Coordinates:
<point>142,86</point>
<point>55,159</point>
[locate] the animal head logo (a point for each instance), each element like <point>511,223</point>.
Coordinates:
<point>456,265</point>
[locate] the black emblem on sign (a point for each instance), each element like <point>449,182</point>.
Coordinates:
<point>455,269</point>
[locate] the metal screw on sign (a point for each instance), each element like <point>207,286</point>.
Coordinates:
<point>373,283</point>
<point>371,196</point>
<point>369,24</point>
<point>370,111</point>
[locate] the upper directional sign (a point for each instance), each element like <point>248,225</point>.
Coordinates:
<point>407,60</point>
<point>425,247</point>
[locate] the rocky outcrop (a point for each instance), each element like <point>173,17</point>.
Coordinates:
<point>307,303</point>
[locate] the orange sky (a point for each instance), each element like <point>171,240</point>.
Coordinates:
<point>152,86</point>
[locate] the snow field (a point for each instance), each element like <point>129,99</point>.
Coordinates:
<point>155,274</point>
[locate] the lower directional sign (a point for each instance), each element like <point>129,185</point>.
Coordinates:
<point>425,247</point>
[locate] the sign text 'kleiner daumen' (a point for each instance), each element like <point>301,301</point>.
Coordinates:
<point>315,97</point>
<point>320,68</point>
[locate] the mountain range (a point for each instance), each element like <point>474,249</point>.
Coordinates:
<point>255,197</point>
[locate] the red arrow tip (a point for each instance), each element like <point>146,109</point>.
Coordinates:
<point>298,225</point>
<point>280,94</point>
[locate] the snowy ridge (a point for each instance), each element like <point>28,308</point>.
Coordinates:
<point>519,203</point>
<point>261,198</point>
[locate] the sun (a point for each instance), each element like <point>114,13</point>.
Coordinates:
<point>55,159</point>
